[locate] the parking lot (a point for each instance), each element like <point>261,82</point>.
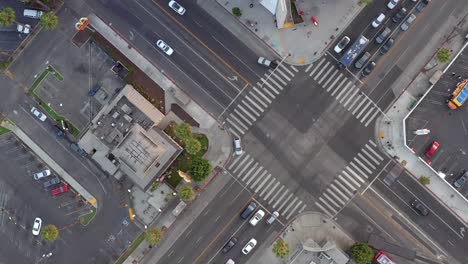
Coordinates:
<point>22,199</point>
<point>447,127</point>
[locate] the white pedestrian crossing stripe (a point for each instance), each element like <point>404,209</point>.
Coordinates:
<point>275,194</point>
<point>325,72</point>
<point>254,103</point>
<point>352,177</point>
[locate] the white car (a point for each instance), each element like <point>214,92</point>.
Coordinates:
<point>41,174</point>
<point>23,28</point>
<point>37,226</point>
<point>249,246</point>
<point>342,44</point>
<point>176,7</point>
<point>162,45</point>
<point>237,147</point>
<point>257,217</point>
<point>392,3</point>
<point>41,116</point>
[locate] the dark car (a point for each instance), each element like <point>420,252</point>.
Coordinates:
<point>248,210</point>
<point>399,15</point>
<point>383,35</point>
<point>422,5</point>
<point>51,182</point>
<point>370,66</point>
<point>458,183</point>
<point>387,45</point>
<point>229,244</point>
<point>420,208</point>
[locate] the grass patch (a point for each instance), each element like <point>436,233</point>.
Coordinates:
<point>4,64</point>
<point>86,219</point>
<point>3,130</point>
<point>56,73</point>
<point>173,179</point>
<point>204,143</point>
<point>132,248</point>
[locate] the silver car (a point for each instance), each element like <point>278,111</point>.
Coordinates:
<point>360,63</point>
<point>176,7</point>
<point>164,47</point>
<point>41,116</point>
<point>41,174</point>
<point>408,22</point>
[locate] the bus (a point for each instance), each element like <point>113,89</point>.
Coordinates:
<point>353,52</point>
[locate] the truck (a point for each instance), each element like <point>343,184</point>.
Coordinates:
<point>382,258</point>
<point>355,49</point>
<point>267,63</point>
<point>459,96</point>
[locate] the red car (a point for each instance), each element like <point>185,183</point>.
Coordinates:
<point>63,188</point>
<point>432,149</point>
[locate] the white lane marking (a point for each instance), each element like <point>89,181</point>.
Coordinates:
<point>267,186</point>
<point>247,157</point>
<point>246,112</point>
<point>333,83</point>
<point>238,121</point>
<point>317,67</point>
<point>264,97</point>
<point>320,72</point>
<point>331,78</point>
<point>263,183</point>
<point>258,179</point>
<point>355,174</point>
<point>253,176</point>
<point>276,194</point>
<point>375,153</point>
<point>292,210</point>
<point>251,109</point>
<point>254,104</point>
<point>258,99</point>
<point>358,169</point>
<point>271,190</point>
<point>290,205</point>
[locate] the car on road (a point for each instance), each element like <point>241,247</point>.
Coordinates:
<point>230,261</point>
<point>458,183</point>
<point>23,28</point>
<point>176,7</point>
<point>36,229</point>
<point>342,44</point>
<point>249,246</point>
<point>399,15</point>
<point>231,243</point>
<point>164,47</point>
<point>63,188</point>
<point>272,218</point>
<point>408,22</point>
<point>387,45</point>
<point>392,3</point>
<point>378,20</point>
<point>257,217</point>
<point>41,174</point>
<point>369,68</point>
<point>237,146</point>
<point>420,208</point>
<point>41,116</point>
<point>422,5</point>
<point>432,149</point>
<point>248,210</point>
<point>362,61</point>
<point>383,35</point>
<point>53,181</point>
<point>267,63</point>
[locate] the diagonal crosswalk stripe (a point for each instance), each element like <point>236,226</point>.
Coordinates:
<point>258,99</point>
<point>253,176</point>
<point>348,92</point>
<point>326,196</point>
<point>356,176</point>
<point>274,195</point>
<point>308,67</point>
<point>350,97</point>
<point>244,158</point>
<point>284,68</point>
<point>280,198</point>
<point>356,100</point>
<point>254,104</point>
<point>270,86</point>
<point>263,182</point>
<point>334,82</point>
<point>317,67</point>
<point>258,179</point>
<point>246,112</point>
<point>235,133</point>
<point>249,171</point>
<point>366,161</point>
<point>266,91</point>
<point>290,205</point>
<point>372,143</point>
<point>234,125</point>
<point>246,166</point>
<point>373,151</point>
<point>364,109</point>
<point>376,113</point>
<point>338,86</point>
<point>370,156</point>
<point>293,210</point>
<point>250,108</point>
<point>351,178</point>
<point>343,180</point>
<point>294,68</point>
<point>362,165</point>
<point>268,186</point>
<point>326,74</point>
<point>280,71</point>
<point>331,78</point>
<point>338,191</point>
<point>358,169</point>
<point>242,116</point>
<point>371,110</point>
<point>343,90</point>
<point>320,72</point>
<point>285,201</point>
<point>273,80</point>
<point>261,94</point>
<point>359,106</point>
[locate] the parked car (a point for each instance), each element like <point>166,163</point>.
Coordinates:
<point>392,3</point>
<point>257,217</point>
<point>41,116</point>
<point>383,35</point>
<point>422,5</point>
<point>360,63</point>
<point>164,47</point>
<point>249,246</point>
<point>378,20</point>
<point>458,183</point>
<point>420,208</point>
<point>342,44</point>
<point>267,63</point>
<point>23,28</point>
<point>32,13</point>
<point>176,7</point>
<point>272,218</point>
<point>387,45</point>
<point>248,210</point>
<point>432,149</point>
<point>369,68</point>
<point>36,230</point>
<point>231,243</point>
<point>399,15</point>
<point>237,146</point>
<point>230,261</point>
<point>51,182</point>
<point>75,147</point>
<point>41,174</point>
<point>63,188</point>
<point>408,22</point>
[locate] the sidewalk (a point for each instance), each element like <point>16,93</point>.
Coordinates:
<point>394,134</point>
<point>51,163</point>
<point>305,42</point>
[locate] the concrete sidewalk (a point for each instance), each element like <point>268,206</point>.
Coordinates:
<point>305,42</point>
<point>51,163</point>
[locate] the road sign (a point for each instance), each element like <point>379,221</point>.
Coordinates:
<point>82,24</point>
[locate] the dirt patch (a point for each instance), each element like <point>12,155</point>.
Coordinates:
<point>184,115</point>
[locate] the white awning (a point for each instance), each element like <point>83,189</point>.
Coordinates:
<point>270,5</point>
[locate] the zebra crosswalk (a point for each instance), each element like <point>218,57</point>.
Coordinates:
<point>334,80</point>
<point>343,188</point>
<point>256,101</point>
<point>275,194</point>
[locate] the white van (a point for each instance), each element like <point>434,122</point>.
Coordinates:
<point>230,261</point>
<point>31,13</point>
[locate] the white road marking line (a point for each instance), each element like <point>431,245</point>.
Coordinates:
<point>320,72</point>
<point>344,89</point>
<point>280,198</point>
<point>324,210</point>
<point>245,167</point>
<point>268,92</point>
<point>308,67</point>
<point>271,87</point>
<point>354,102</point>
<point>343,188</point>
<point>375,153</point>
<point>253,176</point>
<point>370,156</point>
<point>248,172</point>
<point>333,83</point>
<point>242,117</point>
<point>292,210</point>
<point>258,179</point>
<point>234,125</point>
<point>359,105</point>
<point>355,91</point>
<point>344,198</point>
<point>260,93</point>
<point>294,68</point>
<point>325,75</point>
<point>278,70</point>
<point>271,190</point>
<point>355,174</point>
<point>236,160</point>
<point>328,204</point>
<point>362,165</point>
<point>331,78</point>
<point>286,69</point>
<point>258,99</point>
<point>263,183</point>
<point>347,183</point>
<point>371,110</point>
<point>363,109</point>
<point>251,109</point>
<point>285,201</point>
<point>351,178</point>
<point>367,161</point>
<point>254,104</point>
<point>358,169</point>
<point>276,83</point>
<point>318,66</point>
<point>276,194</point>
<point>234,132</point>
<point>337,206</point>
<point>246,112</point>
<point>290,205</point>
<point>371,118</point>
<point>346,95</point>
<point>302,209</point>
<point>372,143</point>
<point>238,121</point>
<point>338,86</point>
<point>268,185</point>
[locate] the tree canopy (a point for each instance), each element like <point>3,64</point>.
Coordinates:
<point>200,169</point>
<point>154,236</point>
<point>49,20</point>
<point>362,253</point>
<point>50,232</point>
<point>7,16</point>
<point>186,193</point>
<point>281,249</point>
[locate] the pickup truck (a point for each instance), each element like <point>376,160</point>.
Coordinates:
<point>267,63</point>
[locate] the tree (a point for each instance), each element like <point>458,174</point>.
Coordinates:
<point>154,236</point>
<point>49,20</point>
<point>7,16</point>
<point>192,146</point>
<point>50,232</point>
<point>237,12</point>
<point>281,249</point>
<point>183,132</point>
<point>424,180</point>
<point>362,253</point>
<point>200,169</point>
<point>186,193</point>
<point>443,55</point>
<point>365,2</point>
